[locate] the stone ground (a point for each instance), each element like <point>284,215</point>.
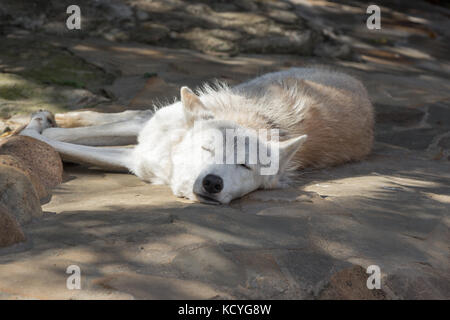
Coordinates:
<point>137,241</point>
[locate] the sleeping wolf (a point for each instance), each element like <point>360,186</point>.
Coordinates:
<point>288,120</point>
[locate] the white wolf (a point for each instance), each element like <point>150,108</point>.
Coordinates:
<point>324,118</point>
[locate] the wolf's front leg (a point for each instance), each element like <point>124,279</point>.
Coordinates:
<point>116,159</point>
<point>91,118</point>
<point>110,134</point>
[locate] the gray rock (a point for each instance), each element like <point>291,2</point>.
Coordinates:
<point>396,115</point>
<point>30,23</point>
<point>114,10</point>
<point>210,40</point>
<point>81,98</point>
<point>55,27</point>
<point>439,115</point>
<point>264,277</point>
<point>142,15</point>
<point>444,143</point>
<point>149,32</point>
<point>210,265</point>
<point>335,50</point>
<point>116,35</point>
<point>249,5</point>
<point>283,5</point>
<point>296,42</point>
<point>199,9</point>
<point>414,139</point>
<point>283,16</point>
<point>429,283</point>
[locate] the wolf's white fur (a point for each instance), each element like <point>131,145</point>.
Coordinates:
<point>330,108</point>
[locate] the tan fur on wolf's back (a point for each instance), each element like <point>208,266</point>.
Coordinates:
<point>331,107</point>
<point>339,124</point>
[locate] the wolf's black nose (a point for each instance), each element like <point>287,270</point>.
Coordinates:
<point>212,183</point>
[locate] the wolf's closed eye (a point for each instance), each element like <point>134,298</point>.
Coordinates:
<point>245,166</point>
<point>207,149</point>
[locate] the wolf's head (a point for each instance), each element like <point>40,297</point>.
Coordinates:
<point>217,161</point>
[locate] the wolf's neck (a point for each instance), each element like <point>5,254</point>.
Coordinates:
<point>249,119</point>
<point>239,109</point>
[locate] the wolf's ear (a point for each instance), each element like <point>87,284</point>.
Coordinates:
<point>191,104</point>
<point>288,148</point>
<point>190,100</point>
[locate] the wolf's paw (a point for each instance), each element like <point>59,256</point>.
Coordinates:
<point>41,120</point>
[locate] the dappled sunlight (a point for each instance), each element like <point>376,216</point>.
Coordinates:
<point>21,96</point>
<point>370,185</point>
<point>134,240</point>
<point>438,197</point>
